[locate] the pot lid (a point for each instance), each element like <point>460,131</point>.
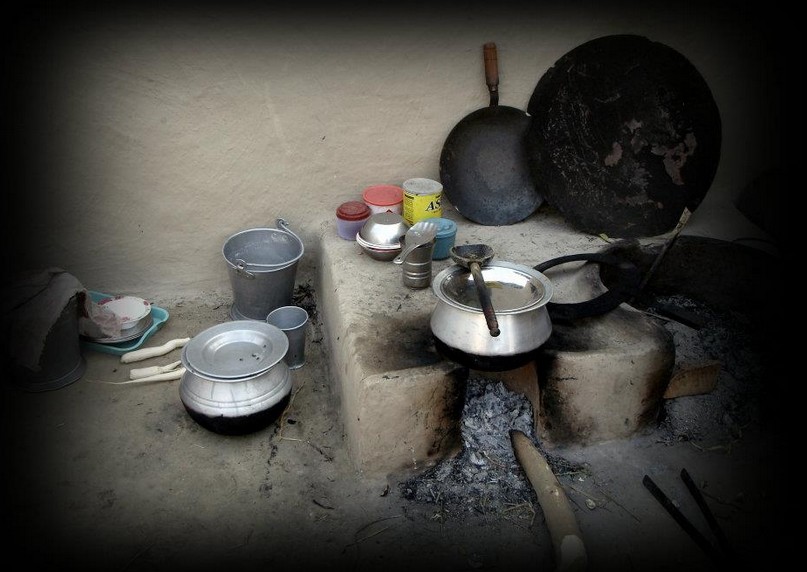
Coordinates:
<point>513,288</point>
<point>445,227</point>
<point>383,195</point>
<point>237,349</point>
<point>422,186</point>
<point>353,210</point>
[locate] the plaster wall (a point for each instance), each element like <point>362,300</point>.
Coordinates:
<point>141,138</point>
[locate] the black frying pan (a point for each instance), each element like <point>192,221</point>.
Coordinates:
<point>483,166</point>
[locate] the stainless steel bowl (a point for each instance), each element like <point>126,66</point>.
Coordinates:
<point>378,251</point>
<point>384,230</point>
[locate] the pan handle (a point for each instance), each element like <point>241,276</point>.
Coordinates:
<point>492,72</point>
<point>484,299</point>
<point>625,288</point>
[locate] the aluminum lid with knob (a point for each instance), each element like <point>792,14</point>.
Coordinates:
<point>235,350</point>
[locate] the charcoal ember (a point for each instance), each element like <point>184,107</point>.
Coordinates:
<point>485,476</point>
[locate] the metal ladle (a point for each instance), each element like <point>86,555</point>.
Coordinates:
<point>473,257</point>
<point>419,234</point>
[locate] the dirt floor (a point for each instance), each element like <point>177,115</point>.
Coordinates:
<point>119,477</point>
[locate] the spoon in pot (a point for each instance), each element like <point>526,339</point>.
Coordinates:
<point>473,257</point>
<point>418,234</point>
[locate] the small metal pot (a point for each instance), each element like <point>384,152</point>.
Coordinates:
<point>519,295</point>
<point>236,380</point>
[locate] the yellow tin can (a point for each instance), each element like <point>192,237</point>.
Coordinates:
<point>421,199</point>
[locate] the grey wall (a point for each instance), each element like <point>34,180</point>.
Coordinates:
<point>143,138</point>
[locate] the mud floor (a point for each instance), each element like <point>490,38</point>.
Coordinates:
<point>99,475</point>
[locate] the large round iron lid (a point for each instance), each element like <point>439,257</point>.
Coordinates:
<point>625,135</point>
<point>513,288</point>
<point>237,349</point>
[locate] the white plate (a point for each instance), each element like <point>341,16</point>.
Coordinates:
<point>126,335</point>
<point>130,309</point>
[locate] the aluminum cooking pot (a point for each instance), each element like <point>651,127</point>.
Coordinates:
<point>236,380</point>
<point>519,295</point>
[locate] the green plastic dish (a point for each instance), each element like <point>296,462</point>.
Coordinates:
<point>158,317</point>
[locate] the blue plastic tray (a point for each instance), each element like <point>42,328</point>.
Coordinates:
<point>158,317</point>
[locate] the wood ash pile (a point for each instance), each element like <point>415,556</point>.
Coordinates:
<point>720,415</point>
<point>485,477</point>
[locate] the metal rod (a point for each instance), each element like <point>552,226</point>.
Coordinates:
<point>707,512</point>
<point>667,244</point>
<point>673,511</point>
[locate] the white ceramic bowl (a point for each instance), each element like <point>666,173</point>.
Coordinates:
<point>130,309</point>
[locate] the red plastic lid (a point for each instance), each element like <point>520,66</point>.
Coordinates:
<point>353,210</point>
<point>383,195</point>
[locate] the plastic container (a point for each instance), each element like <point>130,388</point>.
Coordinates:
<point>421,200</point>
<point>446,235</point>
<point>384,198</point>
<point>350,217</point>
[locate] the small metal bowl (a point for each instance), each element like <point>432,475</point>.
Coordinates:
<point>378,251</point>
<point>384,230</point>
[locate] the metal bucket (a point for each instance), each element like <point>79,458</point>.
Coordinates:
<point>262,263</point>
<point>61,362</point>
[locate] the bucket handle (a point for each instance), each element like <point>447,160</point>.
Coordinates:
<point>281,224</point>
<point>241,265</point>
<point>241,269</point>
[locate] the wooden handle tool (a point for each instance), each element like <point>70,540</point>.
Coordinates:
<point>570,552</point>
<point>146,353</point>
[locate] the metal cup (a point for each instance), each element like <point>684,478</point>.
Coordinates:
<point>417,267</point>
<point>292,320</point>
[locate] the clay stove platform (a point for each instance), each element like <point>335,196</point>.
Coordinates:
<point>399,400</point>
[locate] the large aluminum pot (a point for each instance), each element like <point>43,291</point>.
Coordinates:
<point>519,295</point>
<point>236,380</point>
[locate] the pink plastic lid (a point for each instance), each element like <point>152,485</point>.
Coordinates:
<point>353,210</point>
<point>383,195</point>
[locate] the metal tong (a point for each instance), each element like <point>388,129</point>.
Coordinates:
<point>714,552</point>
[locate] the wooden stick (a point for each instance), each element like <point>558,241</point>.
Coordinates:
<point>570,552</point>
<point>146,353</point>
<point>153,370</point>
